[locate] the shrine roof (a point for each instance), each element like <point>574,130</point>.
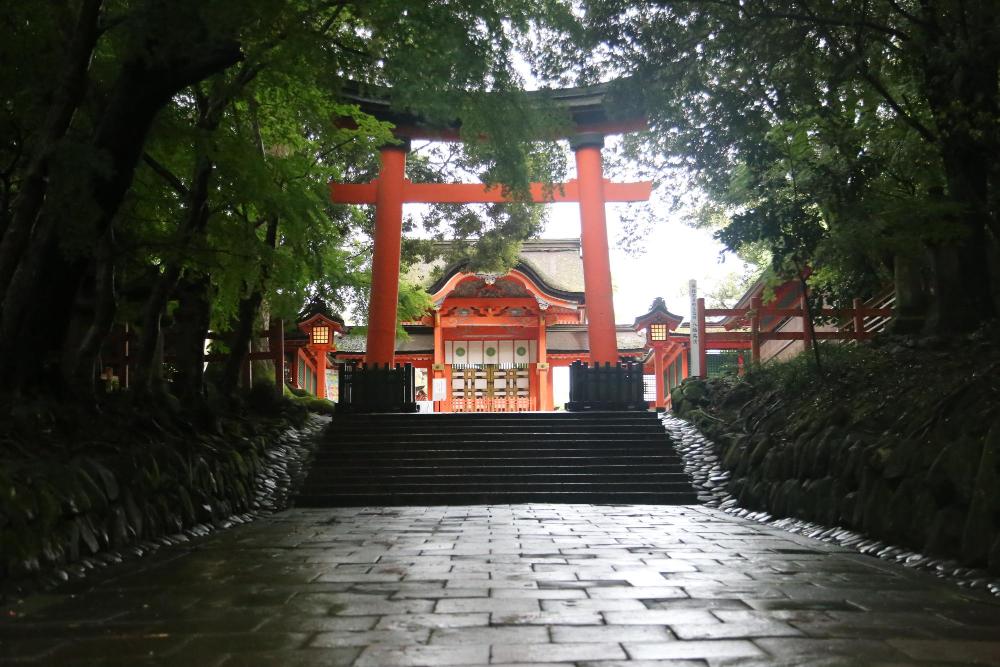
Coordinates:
<point>416,343</point>
<point>555,262</point>
<point>563,338</point>
<point>602,108</point>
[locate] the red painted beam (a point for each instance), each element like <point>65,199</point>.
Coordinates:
<point>477,193</point>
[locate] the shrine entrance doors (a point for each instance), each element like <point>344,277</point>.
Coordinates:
<point>490,388</point>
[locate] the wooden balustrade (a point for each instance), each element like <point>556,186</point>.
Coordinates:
<point>861,322</point>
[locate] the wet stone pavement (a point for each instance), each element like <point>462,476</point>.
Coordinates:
<point>551,585</point>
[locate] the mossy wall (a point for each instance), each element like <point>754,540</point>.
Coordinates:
<point>900,442</point>
<point>73,486</point>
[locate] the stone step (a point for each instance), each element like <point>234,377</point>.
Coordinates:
<point>478,461</point>
<point>357,476</point>
<point>483,448</point>
<point>488,458</point>
<point>495,498</point>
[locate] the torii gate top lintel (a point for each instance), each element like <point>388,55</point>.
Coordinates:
<point>593,110</point>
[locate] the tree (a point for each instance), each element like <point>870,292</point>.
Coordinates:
<point>176,168</point>
<point>871,127</point>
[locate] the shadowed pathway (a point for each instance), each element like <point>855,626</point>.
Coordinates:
<point>505,584</point>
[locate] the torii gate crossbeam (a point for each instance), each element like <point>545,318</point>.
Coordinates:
<point>391,190</point>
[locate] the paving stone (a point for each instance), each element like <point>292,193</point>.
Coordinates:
<point>516,585</point>
<point>499,605</point>
<point>335,657</point>
<point>636,592</point>
<point>739,630</point>
<point>416,621</point>
<point>659,617</point>
<point>590,604</point>
<point>609,633</point>
<point>547,618</point>
<point>418,656</point>
<point>492,635</point>
<point>703,650</point>
<point>557,652</point>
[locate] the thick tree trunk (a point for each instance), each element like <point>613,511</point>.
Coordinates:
<point>961,285</point>
<point>80,359</point>
<point>239,341</point>
<point>138,95</point>
<point>249,309</point>
<point>911,274</point>
<point>961,63</point>
<point>147,369</point>
<point>188,333</point>
<point>68,92</point>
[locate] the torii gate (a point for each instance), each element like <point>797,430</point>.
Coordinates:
<point>391,190</point>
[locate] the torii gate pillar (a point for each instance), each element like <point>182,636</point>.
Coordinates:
<point>594,242</point>
<point>385,260</point>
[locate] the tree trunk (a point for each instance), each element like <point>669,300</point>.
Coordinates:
<point>68,92</point>
<point>911,275</point>
<point>80,360</point>
<point>248,310</point>
<point>961,284</point>
<point>239,341</point>
<point>188,333</point>
<point>195,222</point>
<point>138,95</point>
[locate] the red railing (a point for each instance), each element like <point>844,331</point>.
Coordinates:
<point>861,322</point>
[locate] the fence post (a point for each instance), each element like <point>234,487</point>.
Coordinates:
<point>859,319</point>
<point>276,343</point>
<point>756,303</point>
<point>806,324</point>
<point>703,343</point>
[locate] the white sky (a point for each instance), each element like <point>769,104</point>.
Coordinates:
<point>675,253</point>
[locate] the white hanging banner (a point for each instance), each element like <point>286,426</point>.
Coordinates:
<point>695,363</point>
<point>439,389</point>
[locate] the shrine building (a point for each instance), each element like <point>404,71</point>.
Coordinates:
<point>500,343</point>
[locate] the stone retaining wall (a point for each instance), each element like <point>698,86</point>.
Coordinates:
<point>939,494</point>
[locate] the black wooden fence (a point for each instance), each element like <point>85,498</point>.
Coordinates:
<point>606,387</point>
<point>364,388</point>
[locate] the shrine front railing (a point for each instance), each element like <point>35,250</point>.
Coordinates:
<point>607,387</point>
<point>363,388</point>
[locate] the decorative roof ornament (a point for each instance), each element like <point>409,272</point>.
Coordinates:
<point>542,303</point>
<point>488,278</point>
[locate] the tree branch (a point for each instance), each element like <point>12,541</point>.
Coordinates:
<point>161,170</point>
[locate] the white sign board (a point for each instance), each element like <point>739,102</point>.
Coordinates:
<point>649,387</point>
<point>695,370</point>
<point>439,389</point>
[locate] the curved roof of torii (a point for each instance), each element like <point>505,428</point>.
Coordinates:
<point>597,108</point>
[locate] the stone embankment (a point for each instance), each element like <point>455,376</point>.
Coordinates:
<point>908,463</point>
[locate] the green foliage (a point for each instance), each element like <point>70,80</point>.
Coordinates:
<point>822,131</point>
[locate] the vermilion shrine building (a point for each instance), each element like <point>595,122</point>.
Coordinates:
<point>497,341</point>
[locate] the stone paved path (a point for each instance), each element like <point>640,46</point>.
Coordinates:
<point>507,585</point>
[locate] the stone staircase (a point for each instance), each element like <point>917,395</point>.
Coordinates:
<point>495,458</point>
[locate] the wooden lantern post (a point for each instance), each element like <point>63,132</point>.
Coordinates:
<point>320,328</point>
<point>658,323</point>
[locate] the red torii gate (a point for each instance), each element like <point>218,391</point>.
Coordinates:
<point>391,190</point>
